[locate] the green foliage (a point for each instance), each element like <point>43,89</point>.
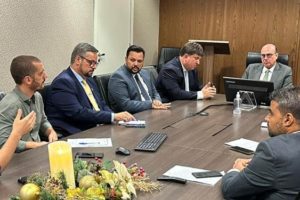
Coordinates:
<point>78,166</point>
<point>45,195</point>
<point>37,179</point>
<point>62,178</point>
<point>14,198</point>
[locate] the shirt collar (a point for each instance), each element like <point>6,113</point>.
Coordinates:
<point>183,68</point>
<point>271,69</point>
<point>23,96</point>
<point>78,77</point>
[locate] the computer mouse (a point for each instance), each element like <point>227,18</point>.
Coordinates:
<point>203,114</point>
<point>122,151</point>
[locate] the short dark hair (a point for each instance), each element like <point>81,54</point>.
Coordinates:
<point>22,66</point>
<point>135,48</point>
<point>288,100</point>
<point>81,49</point>
<point>191,48</point>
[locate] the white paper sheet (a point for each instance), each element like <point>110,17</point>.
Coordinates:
<point>186,173</point>
<point>244,143</point>
<point>135,122</point>
<point>264,125</point>
<point>90,142</point>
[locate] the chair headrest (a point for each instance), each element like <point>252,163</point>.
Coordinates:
<point>254,57</point>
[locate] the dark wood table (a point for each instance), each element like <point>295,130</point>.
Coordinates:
<point>193,141</point>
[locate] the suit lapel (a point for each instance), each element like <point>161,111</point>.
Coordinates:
<point>276,73</point>
<point>81,93</point>
<point>131,78</point>
<point>258,72</point>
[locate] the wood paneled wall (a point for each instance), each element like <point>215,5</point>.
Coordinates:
<point>246,24</point>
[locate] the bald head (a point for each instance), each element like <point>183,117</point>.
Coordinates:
<point>269,55</point>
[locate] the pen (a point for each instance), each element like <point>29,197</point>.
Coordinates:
<point>83,143</point>
<point>222,129</point>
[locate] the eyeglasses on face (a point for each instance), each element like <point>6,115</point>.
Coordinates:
<point>91,62</point>
<point>268,55</point>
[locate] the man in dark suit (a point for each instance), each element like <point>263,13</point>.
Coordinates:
<point>178,79</point>
<point>130,88</point>
<point>74,102</point>
<point>273,173</point>
<point>269,69</point>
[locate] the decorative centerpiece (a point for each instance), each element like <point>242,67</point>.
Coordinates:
<point>95,179</point>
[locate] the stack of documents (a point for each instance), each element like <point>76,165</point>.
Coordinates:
<point>244,143</point>
<point>186,173</point>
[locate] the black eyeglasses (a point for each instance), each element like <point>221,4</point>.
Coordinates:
<point>268,55</point>
<point>91,62</point>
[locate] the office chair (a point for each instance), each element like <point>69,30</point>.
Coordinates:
<point>166,54</point>
<point>2,94</point>
<point>255,57</point>
<point>298,196</point>
<point>153,72</point>
<point>102,83</point>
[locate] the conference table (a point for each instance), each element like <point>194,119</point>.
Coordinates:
<point>193,140</point>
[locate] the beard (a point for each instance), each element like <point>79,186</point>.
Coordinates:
<point>87,74</point>
<point>277,131</point>
<point>36,85</point>
<point>135,70</point>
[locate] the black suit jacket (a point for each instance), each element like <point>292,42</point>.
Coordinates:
<point>170,82</point>
<point>68,108</point>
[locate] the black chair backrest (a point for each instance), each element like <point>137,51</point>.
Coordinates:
<point>166,54</point>
<point>254,57</point>
<point>153,72</point>
<point>102,83</point>
<point>298,196</point>
<point>2,94</point>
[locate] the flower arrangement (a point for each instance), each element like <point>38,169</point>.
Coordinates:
<point>97,180</point>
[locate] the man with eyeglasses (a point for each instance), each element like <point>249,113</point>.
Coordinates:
<point>75,103</point>
<point>269,69</point>
<point>178,79</point>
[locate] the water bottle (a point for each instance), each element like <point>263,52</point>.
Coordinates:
<point>237,104</point>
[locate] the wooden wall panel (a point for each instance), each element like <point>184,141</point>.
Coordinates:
<point>246,24</point>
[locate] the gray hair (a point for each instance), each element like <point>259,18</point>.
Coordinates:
<point>81,49</point>
<point>192,48</point>
<point>288,100</point>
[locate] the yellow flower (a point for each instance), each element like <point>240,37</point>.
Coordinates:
<point>95,192</point>
<point>108,177</point>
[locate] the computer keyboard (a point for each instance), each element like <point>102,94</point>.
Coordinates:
<point>151,142</point>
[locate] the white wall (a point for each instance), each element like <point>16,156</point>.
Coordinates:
<point>146,28</point>
<point>113,32</point>
<point>120,22</point>
<point>48,29</point>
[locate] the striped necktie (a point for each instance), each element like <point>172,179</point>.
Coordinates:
<point>142,89</point>
<point>90,95</point>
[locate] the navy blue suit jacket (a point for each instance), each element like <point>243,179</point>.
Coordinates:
<point>170,82</point>
<point>68,108</point>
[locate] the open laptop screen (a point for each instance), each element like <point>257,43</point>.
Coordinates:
<point>261,89</point>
